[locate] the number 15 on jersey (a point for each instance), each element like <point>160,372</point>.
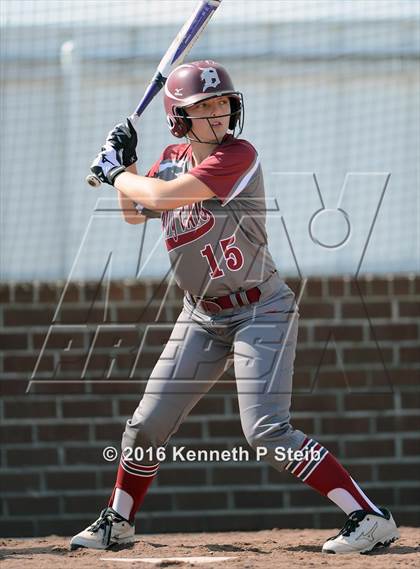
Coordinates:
<point>232,255</point>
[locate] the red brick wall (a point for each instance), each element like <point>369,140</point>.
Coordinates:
<point>359,395</point>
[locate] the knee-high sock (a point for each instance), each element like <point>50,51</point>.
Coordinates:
<point>329,478</point>
<point>133,481</point>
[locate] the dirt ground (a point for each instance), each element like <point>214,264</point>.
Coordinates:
<point>248,550</point>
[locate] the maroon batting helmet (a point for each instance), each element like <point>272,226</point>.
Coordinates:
<point>193,82</point>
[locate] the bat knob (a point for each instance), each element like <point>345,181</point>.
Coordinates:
<point>93,181</point>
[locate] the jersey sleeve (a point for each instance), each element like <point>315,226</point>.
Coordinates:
<point>153,171</point>
<point>228,170</point>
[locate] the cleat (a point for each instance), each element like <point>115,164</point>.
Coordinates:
<point>363,532</point>
<point>110,529</point>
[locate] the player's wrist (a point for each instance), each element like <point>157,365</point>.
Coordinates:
<point>114,173</point>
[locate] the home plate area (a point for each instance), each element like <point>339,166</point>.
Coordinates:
<point>277,548</point>
<point>161,561</point>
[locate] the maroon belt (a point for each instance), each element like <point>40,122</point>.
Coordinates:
<point>216,304</point>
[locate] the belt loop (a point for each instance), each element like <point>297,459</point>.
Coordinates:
<point>244,297</point>
<point>239,298</point>
<point>233,300</point>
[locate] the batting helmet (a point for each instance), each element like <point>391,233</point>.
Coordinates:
<point>194,82</point>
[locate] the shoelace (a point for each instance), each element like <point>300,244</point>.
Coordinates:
<point>105,522</point>
<point>350,526</point>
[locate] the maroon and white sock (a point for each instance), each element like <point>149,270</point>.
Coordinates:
<point>133,481</point>
<point>329,478</point>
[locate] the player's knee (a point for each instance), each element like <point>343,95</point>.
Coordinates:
<point>264,430</point>
<point>143,435</point>
<point>146,433</point>
<point>276,435</point>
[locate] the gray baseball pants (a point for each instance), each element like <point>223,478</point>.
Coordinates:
<point>259,340</point>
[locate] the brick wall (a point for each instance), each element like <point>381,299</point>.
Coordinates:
<point>358,395</point>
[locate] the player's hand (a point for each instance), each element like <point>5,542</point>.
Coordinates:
<point>107,165</point>
<point>123,138</point>
<point>118,152</point>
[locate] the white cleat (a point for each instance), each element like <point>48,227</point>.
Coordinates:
<point>362,532</point>
<point>108,530</point>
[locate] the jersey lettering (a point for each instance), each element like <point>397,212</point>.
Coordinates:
<point>233,257</point>
<point>216,272</point>
<point>186,224</point>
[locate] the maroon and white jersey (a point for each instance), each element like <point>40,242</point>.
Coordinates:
<point>219,245</point>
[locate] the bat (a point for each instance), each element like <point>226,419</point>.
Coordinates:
<point>174,56</point>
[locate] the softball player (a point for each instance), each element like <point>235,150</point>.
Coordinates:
<point>209,195</point>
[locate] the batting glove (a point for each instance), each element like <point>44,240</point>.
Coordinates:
<point>118,152</point>
<point>107,165</point>
<point>123,138</point>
